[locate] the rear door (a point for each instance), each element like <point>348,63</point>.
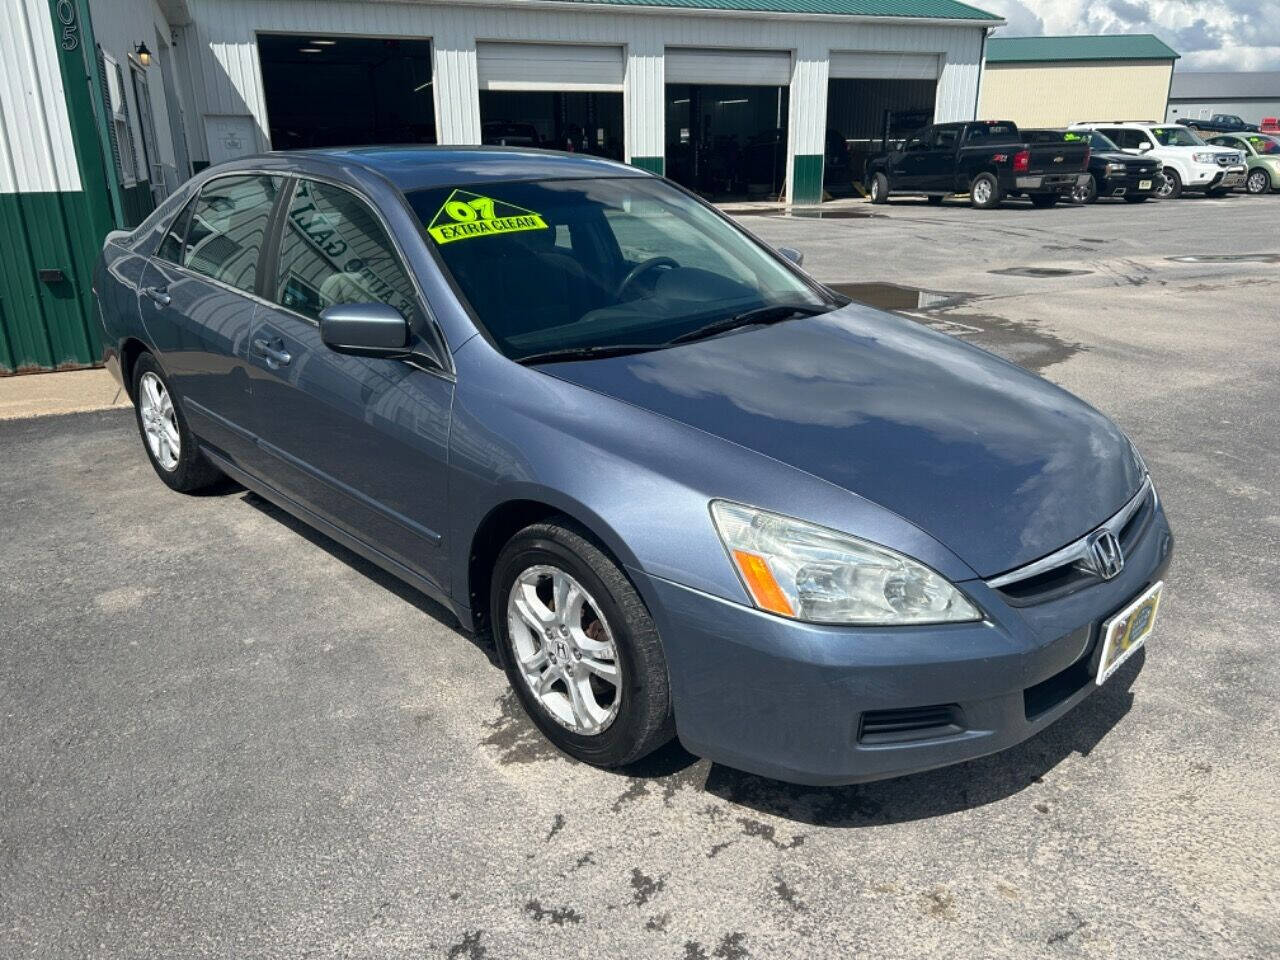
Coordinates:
<point>197,304</point>
<point>361,441</point>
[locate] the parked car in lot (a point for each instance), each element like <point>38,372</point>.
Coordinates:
<point>688,490</point>
<point>1186,161</point>
<point>1219,123</point>
<point>988,159</point>
<point>1262,156</point>
<point>1112,172</point>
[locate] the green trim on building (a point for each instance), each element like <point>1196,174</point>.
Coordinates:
<point>652,164</point>
<point>806,178</point>
<point>45,324</point>
<point>1120,46</point>
<point>923,9</point>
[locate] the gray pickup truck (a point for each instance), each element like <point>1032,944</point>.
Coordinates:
<point>988,159</point>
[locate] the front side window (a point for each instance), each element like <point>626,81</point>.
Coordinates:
<point>334,250</point>
<point>1176,137</point>
<point>644,264</point>
<point>229,227</point>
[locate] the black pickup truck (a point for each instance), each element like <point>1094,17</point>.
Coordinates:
<point>987,159</point>
<point>1219,123</point>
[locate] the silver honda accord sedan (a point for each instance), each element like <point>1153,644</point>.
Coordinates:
<point>688,490</point>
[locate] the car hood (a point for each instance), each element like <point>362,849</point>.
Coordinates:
<point>999,465</point>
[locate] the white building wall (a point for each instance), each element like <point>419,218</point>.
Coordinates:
<point>222,74</point>
<point>37,154</point>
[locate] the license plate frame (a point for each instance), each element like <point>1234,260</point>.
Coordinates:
<point>1127,631</point>
<point>1144,184</point>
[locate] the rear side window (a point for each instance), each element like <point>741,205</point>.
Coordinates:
<point>334,250</point>
<point>229,227</point>
<point>172,244</point>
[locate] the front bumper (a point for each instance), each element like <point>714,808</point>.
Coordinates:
<point>1129,185</point>
<point>830,705</point>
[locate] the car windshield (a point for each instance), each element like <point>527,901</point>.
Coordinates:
<point>1176,137</point>
<point>1265,145</point>
<point>562,265</point>
<point>1099,142</point>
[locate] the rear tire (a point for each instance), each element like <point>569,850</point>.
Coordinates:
<point>879,188</point>
<point>171,447</point>
<point>985,192</point>
<point>603,624</point>
<point>1171,187</point>
<point>1043,201</point>
<point>1086,192</point>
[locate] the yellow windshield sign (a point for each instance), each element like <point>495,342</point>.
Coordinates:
<point>467,215</point>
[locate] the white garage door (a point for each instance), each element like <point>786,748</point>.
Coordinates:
<point>884,66</point>
<point>757,68</point>
<point>543,66</point>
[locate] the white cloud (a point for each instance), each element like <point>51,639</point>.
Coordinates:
<point>1210,34</point>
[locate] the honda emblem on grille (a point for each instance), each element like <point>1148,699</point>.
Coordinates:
<point>1105,556</point>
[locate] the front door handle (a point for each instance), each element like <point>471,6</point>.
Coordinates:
<point>272,351</point>
<point>157,294</point>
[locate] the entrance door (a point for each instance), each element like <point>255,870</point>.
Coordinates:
<point>360,441</point>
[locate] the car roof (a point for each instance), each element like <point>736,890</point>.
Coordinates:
<point>418,167</point>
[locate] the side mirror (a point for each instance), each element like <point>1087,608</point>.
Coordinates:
<point>1144,146</point>
<point>365,330</point>
<point>792,254</point>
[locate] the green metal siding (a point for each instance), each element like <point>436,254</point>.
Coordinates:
<point>1140,46</point>
<point>45,326</point>
<point>652,164</point>
<point>806,178</point>
<point>927,9</point>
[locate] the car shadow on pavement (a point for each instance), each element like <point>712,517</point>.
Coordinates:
<point>920,796</point>
<point>389,582</point>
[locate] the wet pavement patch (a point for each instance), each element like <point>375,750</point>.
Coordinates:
<point>1227,258</point>
<point>842,214</point>
<point>894,296</point>
<point>1040,272</point>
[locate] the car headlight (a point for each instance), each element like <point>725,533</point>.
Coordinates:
<point>1113,168</point>
<point>806,572</point>
<point>1205,157</point>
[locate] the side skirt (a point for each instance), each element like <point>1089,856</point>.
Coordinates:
<point>372,554</point>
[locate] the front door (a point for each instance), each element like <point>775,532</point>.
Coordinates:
<point>362,442</point>
<point>196,307</point>
<point>907,168</point>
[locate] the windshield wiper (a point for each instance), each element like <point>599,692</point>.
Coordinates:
<point>565,354</point>
<point>760,315</point>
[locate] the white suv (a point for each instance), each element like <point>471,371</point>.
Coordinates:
<point>1189,163</point>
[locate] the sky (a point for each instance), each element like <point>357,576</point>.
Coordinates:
<point>1210,34</point>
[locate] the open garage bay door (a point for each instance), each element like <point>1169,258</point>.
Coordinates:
<point>758,68</point>
<point>884,66</point>
<point>549,66</point>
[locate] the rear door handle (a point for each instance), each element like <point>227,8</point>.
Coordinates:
<point>272,351</point>
<point>157,294</point>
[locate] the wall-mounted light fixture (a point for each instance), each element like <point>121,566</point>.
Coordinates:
<point>143,54</point>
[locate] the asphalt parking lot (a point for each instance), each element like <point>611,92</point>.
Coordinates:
<point>226,736</point>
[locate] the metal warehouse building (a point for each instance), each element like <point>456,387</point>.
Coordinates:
<point>1249,96</point>
<point>109,104</point>
<point>1056,81</point>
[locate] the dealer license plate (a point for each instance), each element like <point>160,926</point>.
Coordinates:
<point>1125,633</point>
<point>1144,184</point>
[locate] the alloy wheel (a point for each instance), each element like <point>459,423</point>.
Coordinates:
<point>1258,181</point>
<point>159,421</point>
<point>564,649</point>
<point>982,192</point>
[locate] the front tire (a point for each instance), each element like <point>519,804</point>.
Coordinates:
<point>1259,182</point>
<point>171,447</point>
<point>879,188</point>
<point>579,646</point>
<point>985,193</point>
<point>1170,187</point>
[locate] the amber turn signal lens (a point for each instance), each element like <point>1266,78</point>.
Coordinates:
<point>759,579</point>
